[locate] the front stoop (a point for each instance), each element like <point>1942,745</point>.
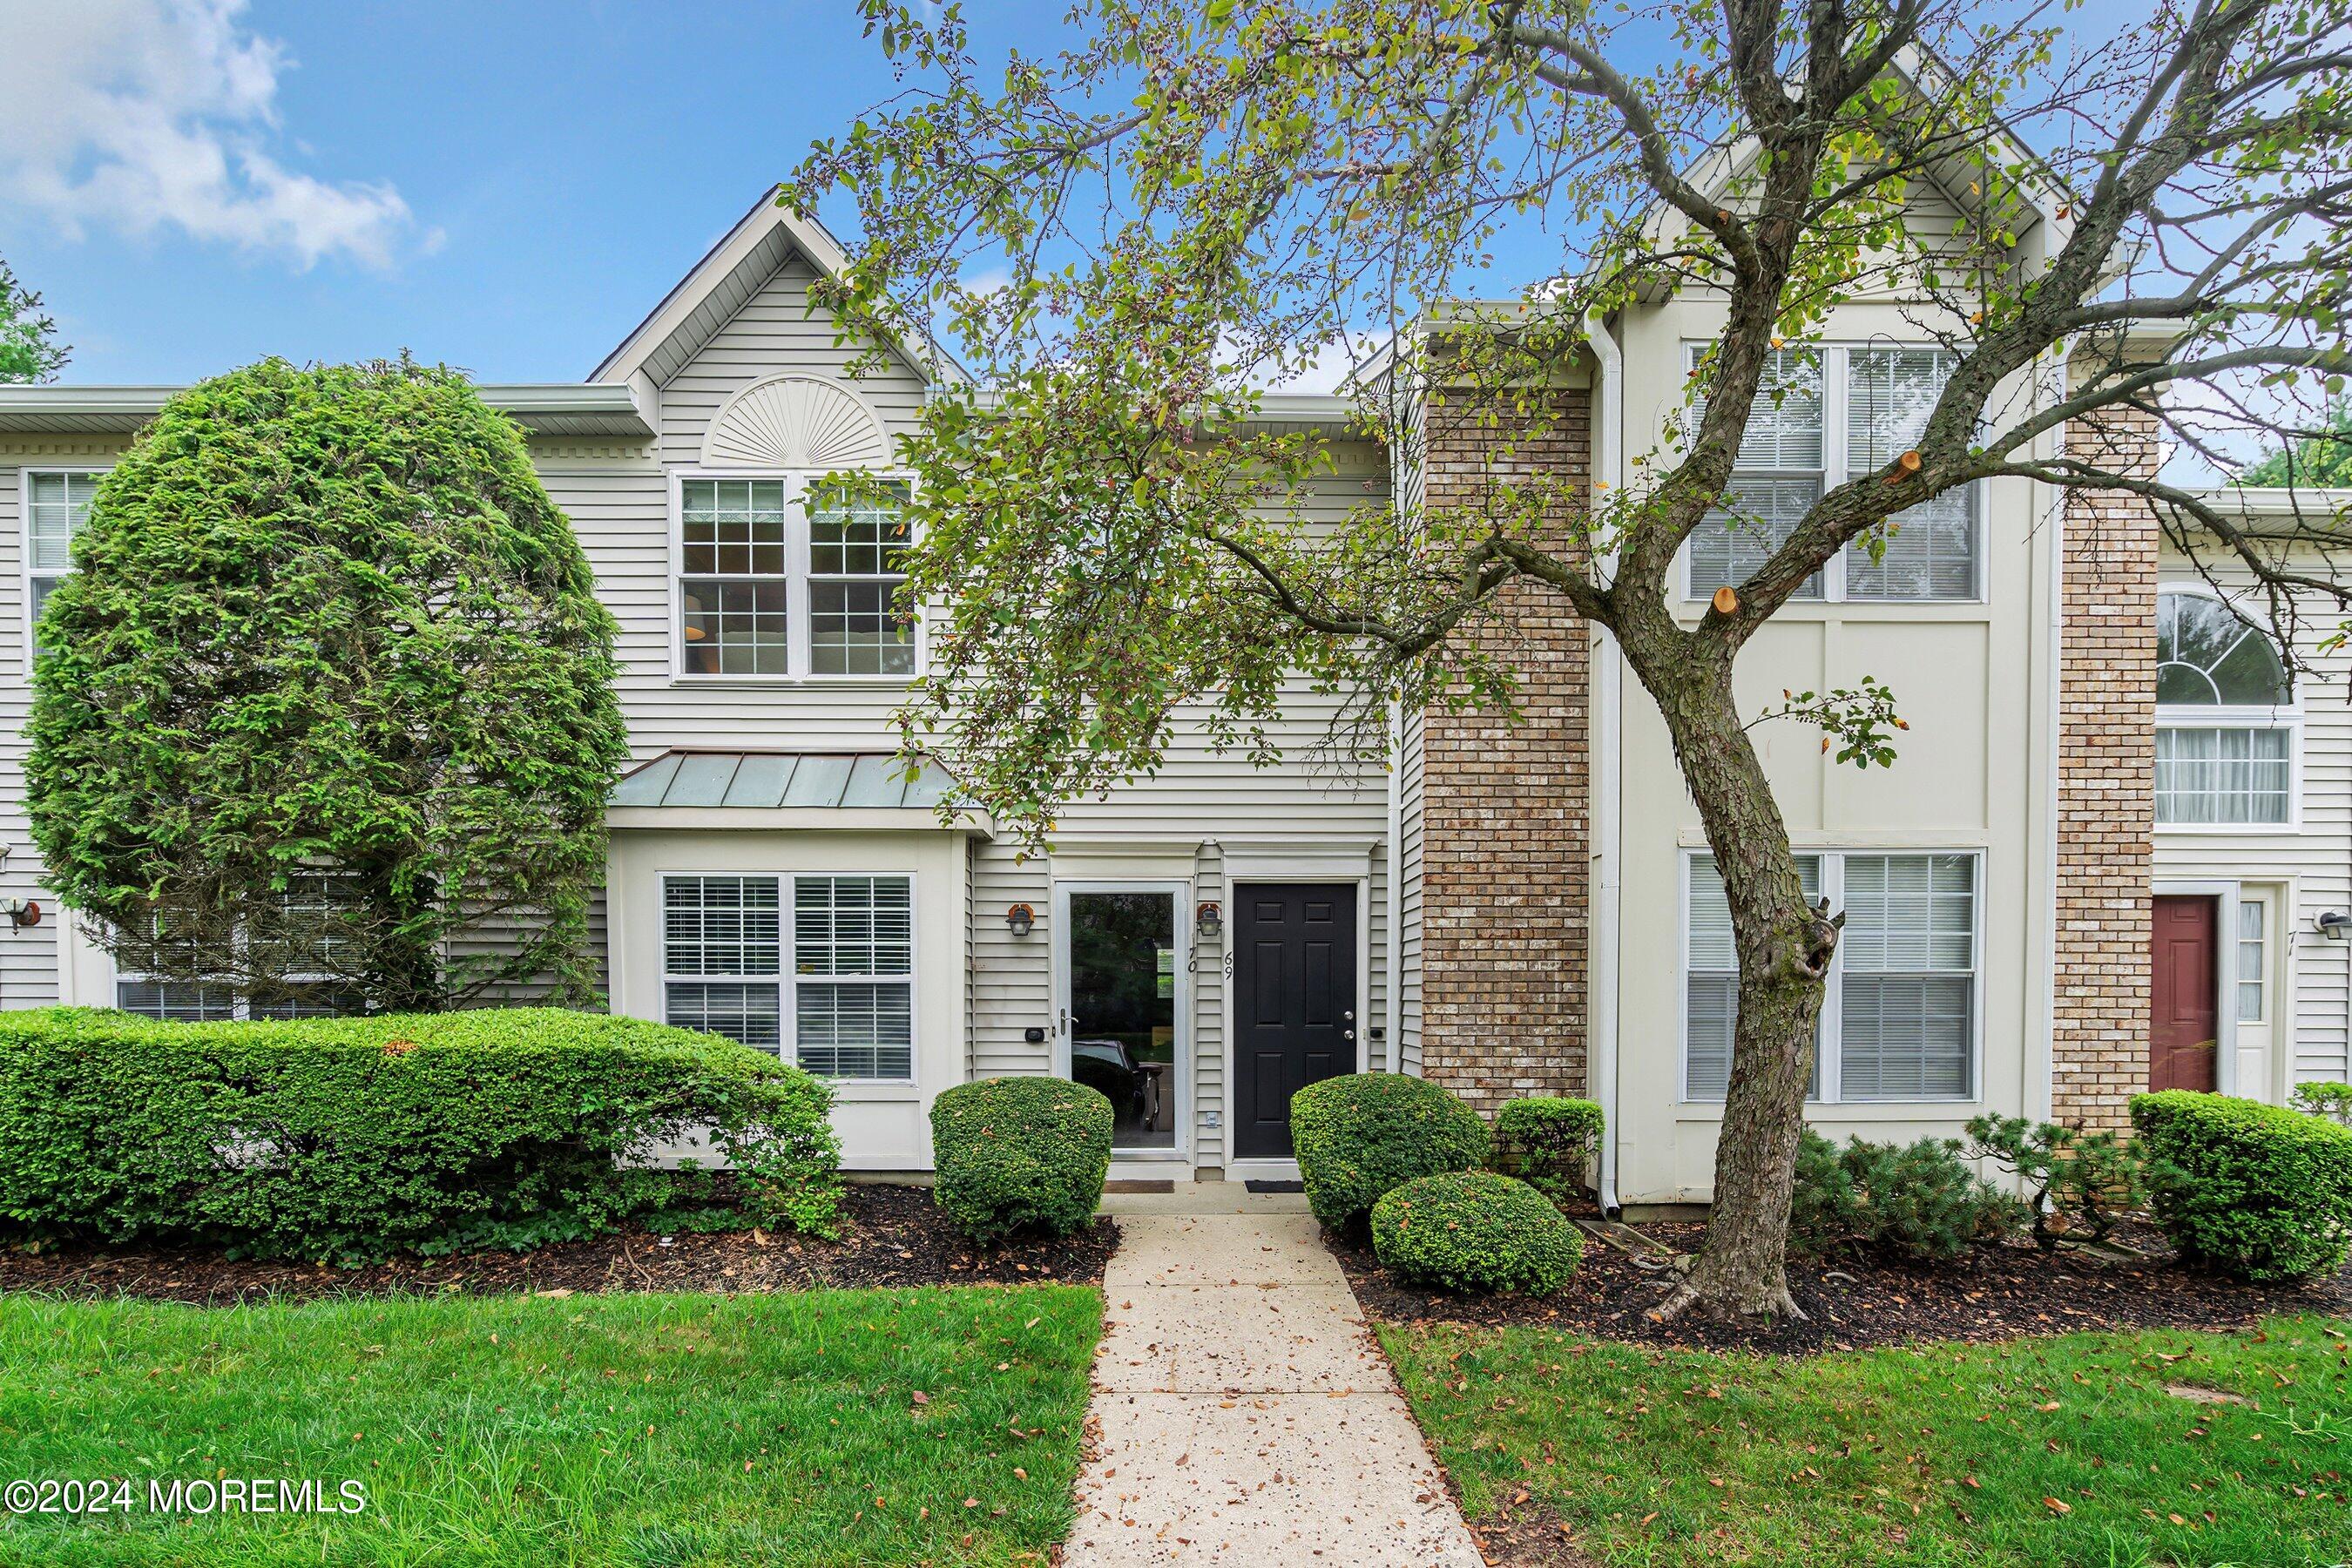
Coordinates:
<point>1245,1414</point>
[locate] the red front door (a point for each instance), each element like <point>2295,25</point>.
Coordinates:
<point>2180,1036</point>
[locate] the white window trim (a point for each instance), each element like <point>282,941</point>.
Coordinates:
<point>788,1045</point>
<point>1830,1055</point>
<point>2195,716</point>
<point>1834,389</point>
<point>25,568</point>
<point>798,602</point>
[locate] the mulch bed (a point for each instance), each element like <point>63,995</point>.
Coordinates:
<point>890,1235</point>
<point>1995,1292</point>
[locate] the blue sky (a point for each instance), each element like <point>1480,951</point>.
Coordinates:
<point>507,187</point>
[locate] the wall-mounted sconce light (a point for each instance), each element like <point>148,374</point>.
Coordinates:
<point>1021,920</point>
<point>21,913</point>
<point>2335,925</point>
<point>1209,920</point>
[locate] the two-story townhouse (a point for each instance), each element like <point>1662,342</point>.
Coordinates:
<point>1516,907</point>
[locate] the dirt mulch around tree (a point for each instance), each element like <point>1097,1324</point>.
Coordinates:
<point>890,1235</point>
<point>1995,1292</point>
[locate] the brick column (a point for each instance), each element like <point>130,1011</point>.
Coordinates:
<point>2107,773</point>
<point>1506,845</point>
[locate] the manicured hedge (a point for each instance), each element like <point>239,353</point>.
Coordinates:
<point>1547,1142</point>
<point>1020,1154</point>
<point>351,1139</point>
<point>2261,1190</point>
<point>1477,1232</point>
<point>1360,1136</point>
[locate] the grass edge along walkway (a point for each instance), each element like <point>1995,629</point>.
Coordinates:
<point>2106,1450</point>
<point>818,1427</point>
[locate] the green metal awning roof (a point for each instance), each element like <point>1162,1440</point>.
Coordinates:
<point>802,781</point>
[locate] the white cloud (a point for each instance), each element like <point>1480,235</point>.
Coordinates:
<point>141,115</point>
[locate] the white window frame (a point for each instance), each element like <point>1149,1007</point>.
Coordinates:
<point>1829,1056</point>
<point>2261,943</point>
<point>240,1007</point>
<point>799,601</point>
<point>26,571</point>
<point>1835,391</point>
<point>2287,718</point>
<point>788,1045</point>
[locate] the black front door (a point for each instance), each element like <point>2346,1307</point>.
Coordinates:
<point>1294,1003</point>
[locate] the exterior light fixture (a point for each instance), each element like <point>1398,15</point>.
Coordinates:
<point>2335,925</point>
<point>1209,920</point>
<point>1020,920</point>
<point>21,913</point>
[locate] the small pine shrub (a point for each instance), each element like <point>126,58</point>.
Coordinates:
<point>2332,1101</point>
<point>1475,1232</point>
<point>352,1139</point>
<point>1015,1154</point>
<point>1548,1142</point>
<point>1361,1136</point>
<point>1920,1200</point>
<point>2083,1181</point>
<point>2258,1191</point>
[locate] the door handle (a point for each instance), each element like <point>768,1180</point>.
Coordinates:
<point>1347,1034</point>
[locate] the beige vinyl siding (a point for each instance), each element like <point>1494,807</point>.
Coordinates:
<point>29,956</point>
<point>1410,762</point>
<point>2315,857</point>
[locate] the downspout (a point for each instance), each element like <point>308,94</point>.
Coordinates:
<point>1605,765</point>
<point>1396,1020</point>
<point>2041,1093</point>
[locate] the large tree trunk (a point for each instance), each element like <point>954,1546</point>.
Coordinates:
<point>1784,946</point>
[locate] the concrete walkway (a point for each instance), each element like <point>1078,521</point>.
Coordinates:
<point>1243,1413</point>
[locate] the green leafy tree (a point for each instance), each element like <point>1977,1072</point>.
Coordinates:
<point>2321,460</point>
<point>30,350</point>
<point>1178,201</point>
<point>325,710</point>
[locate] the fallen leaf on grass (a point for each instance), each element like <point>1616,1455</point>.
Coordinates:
<point>2054,1505</point>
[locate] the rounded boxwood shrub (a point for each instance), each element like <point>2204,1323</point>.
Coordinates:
<point>1547,1142</point>
<point>1474,1231</point>
<point>1360,1136</point>
<point>1020,1154</point>
<point>351,1139</point>
<point>2259,1191</point>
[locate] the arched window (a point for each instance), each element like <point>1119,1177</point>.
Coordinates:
<point>2206,657</point>
<point>2225,731</point>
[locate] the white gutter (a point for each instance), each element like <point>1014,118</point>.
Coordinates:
<point>2040,1093</point>
<point>1395,1021</point>
<point>1606,765</point>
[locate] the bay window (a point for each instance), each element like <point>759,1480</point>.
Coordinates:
<point>1899,1012</point>
<point>780,578</point>
<point>1821,417</point>
<point>2225,724</point>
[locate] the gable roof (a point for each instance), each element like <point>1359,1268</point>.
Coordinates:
<point>718,286</point>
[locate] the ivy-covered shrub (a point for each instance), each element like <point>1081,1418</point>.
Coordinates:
<point>1017,1154</point>
<point>1918,1200</point>
<point>2076,1180</point>
<point>1547,1142</point>
<point>2332,1101</point>
<point>351,1139</point>
<point>1360,1136</point>
<point>2259,1191</point>
<point>1476,1231</point>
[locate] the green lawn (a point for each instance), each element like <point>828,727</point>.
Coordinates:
<point>1940,1454</point>
<point>790,1428</point>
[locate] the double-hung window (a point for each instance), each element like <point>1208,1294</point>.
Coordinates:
<point>57,504</point>
<point>839,973</point>
<point>1821,417</point>
<point>2225,719</point>
<point>1899,1014</point>
<point>781,577</point>
<point>287,953</point>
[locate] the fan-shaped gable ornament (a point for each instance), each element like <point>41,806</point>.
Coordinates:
<point>795,422</point>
